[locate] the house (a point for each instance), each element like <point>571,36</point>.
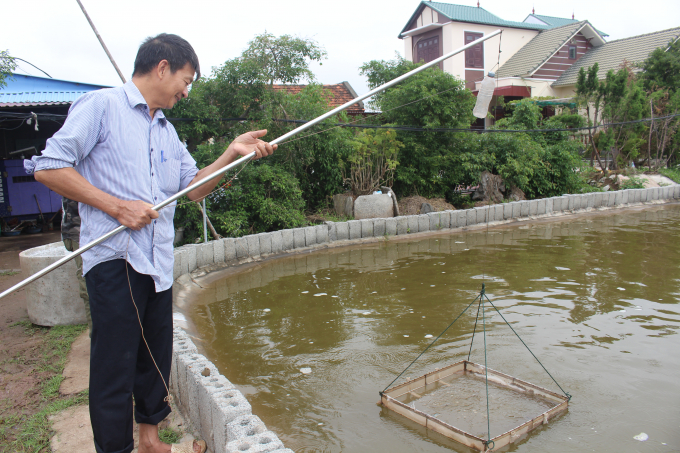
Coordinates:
<point>540,57</point>
<point>337,95</point>
<point>32,109</point>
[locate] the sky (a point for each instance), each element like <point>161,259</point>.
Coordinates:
<point>55,36</point>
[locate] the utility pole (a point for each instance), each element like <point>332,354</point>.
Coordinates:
<point>101,41</point>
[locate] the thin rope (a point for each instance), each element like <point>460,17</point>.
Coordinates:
<point>168,398</point>
<point>486,370</point>
<point>428,347</point>
<point>474,330</point>
<point>528,349</point>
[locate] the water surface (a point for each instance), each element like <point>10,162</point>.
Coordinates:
<point>595,297</point>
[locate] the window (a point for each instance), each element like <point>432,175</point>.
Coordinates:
<point>428,49</point>
<point>572,52</point>
<point>474,56</point>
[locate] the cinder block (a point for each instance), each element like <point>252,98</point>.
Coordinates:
<point>677,191</point>
<point>205,254</point>
<point>402,225</point>
<point>556,204</point>
<point>310,235</point>
<point>218,251</point>
<point>298,237</point>
<point>524,208</point>
<point>321,234</point>
<point>253,245</point>
<point>470,217</point>
<point>507,211</point>
<point>461,218</point>
<point>434,221</point>
<point>332,231</point>
<point>366,228</point>
<point>481,214</point>
<point>391,226</point>
<point>516,209</point>
<point>540,207</point>
<point>571,199</point>
<point>184,364</point>
<point>445,219</point>
<point>342,229</point>
<point>549,206</point>
<point>210,385</point>
<point>176,265</point>
<point>197,412</point>
<point>261,442</point>
<point>664,193</point>
<point>229,249</point>
<point>244,426</point>
<point>287,240</point>
<point>378,227</point>
<point>412,224</point>
<point>190,254</point>
<point>265,243</point>
<point>625,196</point>
<point>618,198</point>
<point>184,256</point>
<point>277,241</point>
<point>229,406</point>
<point>354,229</point>
<point>241,245</point>
<point>533,207</point>
<point>637,196</point>
<point>611,199</point>
<point>423,223</point>
<point>643,195</point>
<point>657,193</point>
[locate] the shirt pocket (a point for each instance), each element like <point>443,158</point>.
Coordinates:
<point>168,176</point>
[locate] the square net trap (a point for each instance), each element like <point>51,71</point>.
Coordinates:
<point>452,401</point>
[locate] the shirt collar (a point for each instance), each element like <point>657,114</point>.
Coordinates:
<point>135,98</point>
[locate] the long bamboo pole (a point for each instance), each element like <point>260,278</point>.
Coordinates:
<point>244,159</point>
<point>101,41</point>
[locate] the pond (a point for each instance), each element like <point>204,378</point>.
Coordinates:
<point>311,339</point>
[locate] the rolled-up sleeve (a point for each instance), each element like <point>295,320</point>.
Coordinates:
<point>74,141</point>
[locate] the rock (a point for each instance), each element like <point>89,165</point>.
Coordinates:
<point>516,194</point>
<point>605,188</point>
<point>342,204</point>
<point>426,208</point>
<point>490,188</point>
<point>373,207</point>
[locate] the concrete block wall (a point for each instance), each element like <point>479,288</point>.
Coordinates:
<point>216,409</point>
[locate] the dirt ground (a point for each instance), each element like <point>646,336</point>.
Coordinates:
<point>19,351</point>
<point>411,205</point>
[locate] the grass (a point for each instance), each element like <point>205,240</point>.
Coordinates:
<point>9,273</point>
<point>31,433</point>
<point>169,435</point>
<point>671,173</point>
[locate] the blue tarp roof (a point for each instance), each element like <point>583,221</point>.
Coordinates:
<point>25,90</point>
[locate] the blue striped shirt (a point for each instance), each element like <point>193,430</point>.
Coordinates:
<point>110,138</point>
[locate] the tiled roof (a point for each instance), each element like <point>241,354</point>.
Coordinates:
<point>461,13</point>
<point>559,21</point>
<point>537,51</point>
<point>35,98</point>
<point>554,21</point>
<point>612,54</point>
<point>340,93</point>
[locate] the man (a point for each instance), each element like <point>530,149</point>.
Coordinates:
<point>117,156</point>
<point>70,235</point>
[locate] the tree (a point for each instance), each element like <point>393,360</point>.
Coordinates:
<point>7,66</point>
<point>429,99</point>
<point>589,96</point>
<point>661,70</point>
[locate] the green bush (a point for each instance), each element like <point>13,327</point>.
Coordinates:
<point>633,182</point>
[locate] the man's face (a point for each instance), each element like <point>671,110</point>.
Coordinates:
<point>175,86</point>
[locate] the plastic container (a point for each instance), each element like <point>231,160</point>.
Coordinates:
<point>484,96</point>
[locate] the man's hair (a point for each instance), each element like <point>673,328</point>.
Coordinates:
<point>177,51</point>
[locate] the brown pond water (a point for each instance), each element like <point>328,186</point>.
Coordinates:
<point>596,297</point>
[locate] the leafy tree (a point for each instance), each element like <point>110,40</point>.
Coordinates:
<point>373,160</point>
<point>588,95</point>
<point>7,66</point>
<point>662,68</point>
<point>429,99</point>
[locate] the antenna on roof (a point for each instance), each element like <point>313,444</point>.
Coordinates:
<point>572,15</point>
<point>533,10</point>
<point>477,3</point>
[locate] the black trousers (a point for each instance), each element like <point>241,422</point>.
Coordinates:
<point>120,364</point>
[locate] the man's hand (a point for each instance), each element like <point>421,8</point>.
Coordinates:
<point>135,214</point>
<point>249,142</point>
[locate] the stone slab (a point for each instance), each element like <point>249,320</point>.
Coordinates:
<point>373,207</point>
<point>354,229</point>
<point>342,231</point>
<point>277,241</point>
<point>287,240</point>
<point>378,227</point>
<point>402,225</point>
<point>423,223</point>
<point>367,227</point>
<point>298,237</point>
